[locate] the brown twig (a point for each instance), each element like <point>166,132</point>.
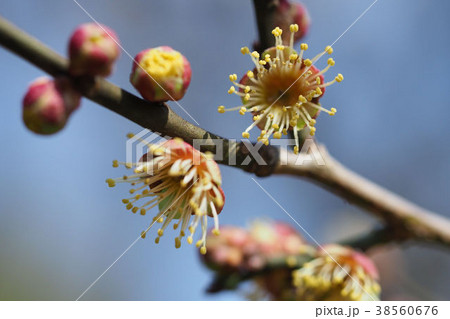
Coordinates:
<point>375,237</point>
<point>265,10</point>
<point>157,117</point>
<point>229,279</point>
<point>406,220</point>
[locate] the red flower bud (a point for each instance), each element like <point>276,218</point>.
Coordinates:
<point>292,13</point>
<point>93,49</point>
<point>48,104</point>
<point>161,74</point>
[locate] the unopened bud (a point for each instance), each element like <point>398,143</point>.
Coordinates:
<point>48,104</point>
<point>93,49</point>
<point>292,13</point>
<point>161,74</point>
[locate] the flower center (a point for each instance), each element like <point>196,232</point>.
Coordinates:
<point>282,89</point>
<point>161,64</point>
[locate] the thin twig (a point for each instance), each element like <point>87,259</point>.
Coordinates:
<point>375,237</point>
<point>231,278</point>
<point>407,219</point>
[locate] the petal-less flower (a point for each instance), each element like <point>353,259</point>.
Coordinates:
<point>283,90</point>
<point>338,273</point>
<point>182,181</point>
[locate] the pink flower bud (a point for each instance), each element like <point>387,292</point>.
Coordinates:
<point>276,239</point>
<point>228,250</point>
<point>161,74</point>
<point>251,250</point>
<point>48,104</point>
<point>292,13</point>
<point>93,49</point>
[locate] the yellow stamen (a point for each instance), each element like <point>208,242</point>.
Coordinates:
<point>245,50</point>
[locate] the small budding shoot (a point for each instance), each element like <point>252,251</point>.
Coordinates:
<point>93,49</point>
<point>282,92</point>
<point>182,182</point>
<point>48,104</point>
<point>337,273</point>
<point>161,74</point>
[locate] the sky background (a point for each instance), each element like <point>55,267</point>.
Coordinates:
<point>61,226</point>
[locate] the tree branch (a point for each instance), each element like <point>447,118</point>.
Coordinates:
<point>231,279</point>
<point>157,117</point>
<point>265,10</point>
<point>408,220</point>
<point>376,237</point>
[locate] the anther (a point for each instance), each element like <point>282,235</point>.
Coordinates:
<point>245,50</point>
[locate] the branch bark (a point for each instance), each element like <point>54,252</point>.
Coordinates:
<point>157,117</point>
<point>407,220</point>
<point>376,237</point>
<point>265,10</point>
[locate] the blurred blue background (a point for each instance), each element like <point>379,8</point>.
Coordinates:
<point>61,226</point>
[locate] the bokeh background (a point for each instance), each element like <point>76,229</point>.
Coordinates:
<point>61,226</point>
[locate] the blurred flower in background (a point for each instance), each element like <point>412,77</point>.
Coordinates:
<point>267,254</point>
<point>290,12</point>
<point>47,105</point>
<point>338,273</point>
<point>93,49</point>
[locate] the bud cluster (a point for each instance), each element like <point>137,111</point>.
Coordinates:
<point>283,266</point>
<point>48,104</point>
